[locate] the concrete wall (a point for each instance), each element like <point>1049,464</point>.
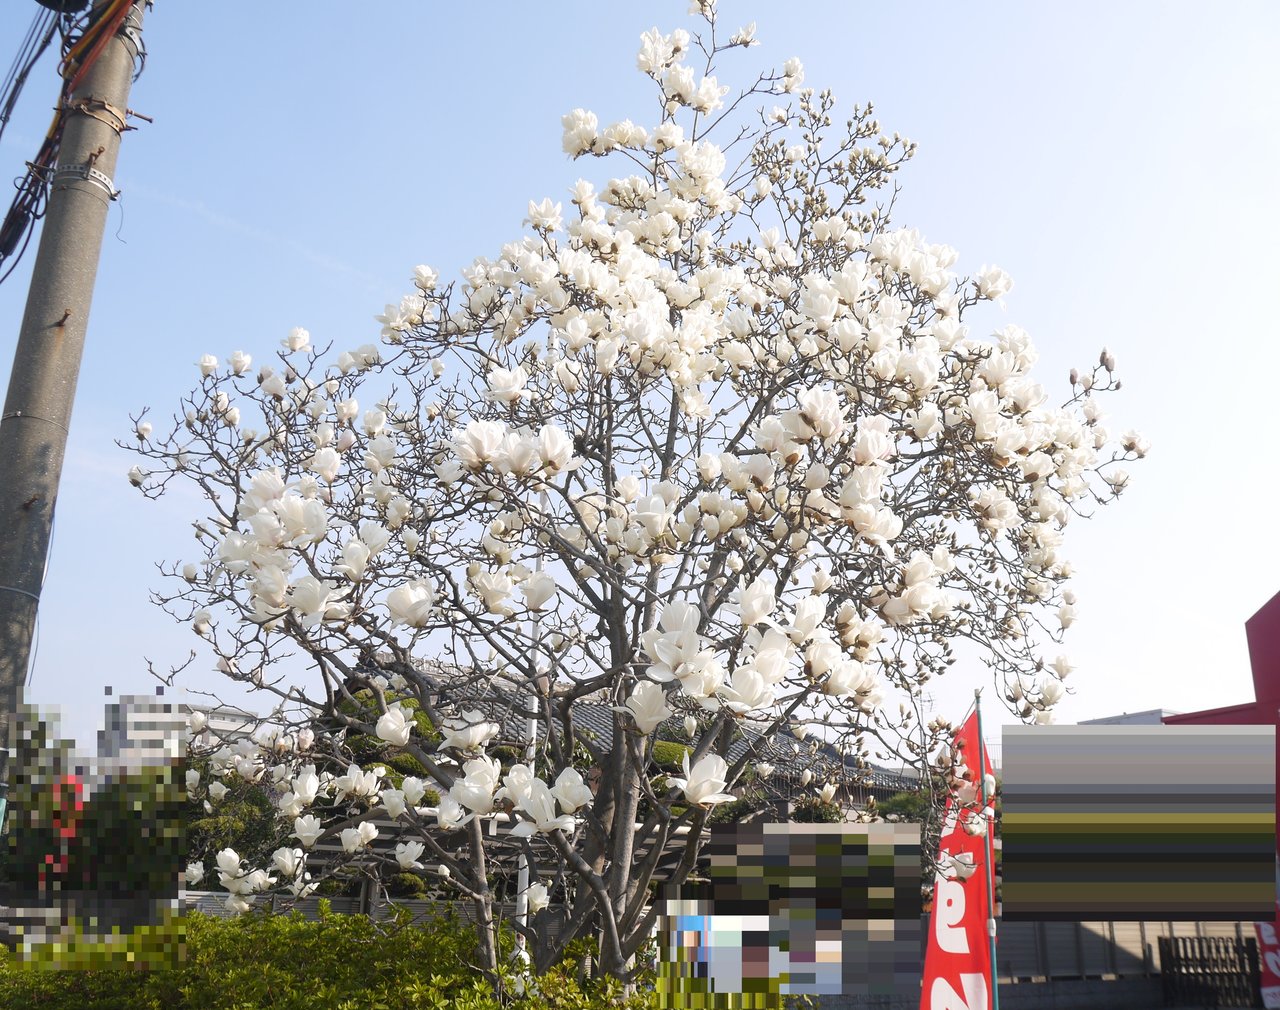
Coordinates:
<point>1060,994</point>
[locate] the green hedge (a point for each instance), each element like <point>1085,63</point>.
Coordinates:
<point>284,962</point>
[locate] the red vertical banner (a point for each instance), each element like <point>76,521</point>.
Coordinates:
<point>957,963</point>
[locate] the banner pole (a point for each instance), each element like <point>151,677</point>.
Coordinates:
<point>990,872</point>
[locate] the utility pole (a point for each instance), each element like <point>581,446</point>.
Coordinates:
<point>37,411</point>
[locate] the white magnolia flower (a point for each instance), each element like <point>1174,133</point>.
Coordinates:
<point>414,790</point>
<point>197,720</point>
<point>290,805</point>
<point>393,802</point>
<point>326,462</point>
<point>746,690</point>
<point>545,215</point>
<point>228,862</point>
<point>408,854</point>
<point>994,283</point>
<point>756,602</point>
<point>764,769</point>
<point>507,385</point>
<point>288,861</point>
<point>208,365</point>
<point>479,443</point>
<point>194,873</point>
<point>306,784</point>
<point>571,791</point>
<point>394,726</point>
<point>307,830</point>
<point>704,785</point>
<point>792,74</point>
<point>960,866</point>
<point>493,588</point>
<point>538,589</point>
<point>1051,690</point>
<point>539,804</point>
<point>240,362</point>
<point>217,790</point>
<point>469,732</point>
<point>411,604</point>
<point>828,792</point>
<point>476,788</point>
<point>647,705</point>
<point>357,782</point>
<point>581,128</point>
<point>236,905</point>
<point>450,815</point>
<point>356,839</point>
<point>537,898</point>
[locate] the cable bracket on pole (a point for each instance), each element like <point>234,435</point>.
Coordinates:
<point>103,111</point>
<point>86,173</point>
<point>34,417</point>
<point>20,592</point>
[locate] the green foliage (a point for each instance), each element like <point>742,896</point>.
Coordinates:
<point>735,811</point>
<point>406,885</point>
<point>131,837</point>
<point>244,819</point>
<point>39,762</point>
<point>914,807</point>
<point>816,810</point>
<point>282,962</point>
<point>404,764</point>
<point>669,755</point>
<point>126,838</point>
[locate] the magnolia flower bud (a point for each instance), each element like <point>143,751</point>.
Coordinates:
<point>690,725</point>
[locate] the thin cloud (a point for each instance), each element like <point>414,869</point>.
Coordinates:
<point>259,235</point>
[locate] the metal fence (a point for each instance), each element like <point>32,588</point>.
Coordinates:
<point>1041,951</point>
<point>1210,970</point>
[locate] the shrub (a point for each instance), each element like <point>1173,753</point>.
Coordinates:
<point>669,755</point>
<point>284,962</point>
<point>815,810</point>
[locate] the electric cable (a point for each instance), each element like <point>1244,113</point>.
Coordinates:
<point>32,48</point>
<point>84,39</point>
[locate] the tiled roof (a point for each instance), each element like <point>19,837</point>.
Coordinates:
<point>594,720</point>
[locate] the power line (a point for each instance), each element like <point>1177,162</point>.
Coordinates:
<point>83,41</point>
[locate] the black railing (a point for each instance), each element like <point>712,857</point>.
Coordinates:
<point>1210,971</point>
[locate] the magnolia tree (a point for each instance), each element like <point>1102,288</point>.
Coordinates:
<point>712,437</point>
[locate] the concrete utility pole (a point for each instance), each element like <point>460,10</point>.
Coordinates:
<point>37,411</point>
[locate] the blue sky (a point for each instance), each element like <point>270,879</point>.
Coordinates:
<point>1117,159</point>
